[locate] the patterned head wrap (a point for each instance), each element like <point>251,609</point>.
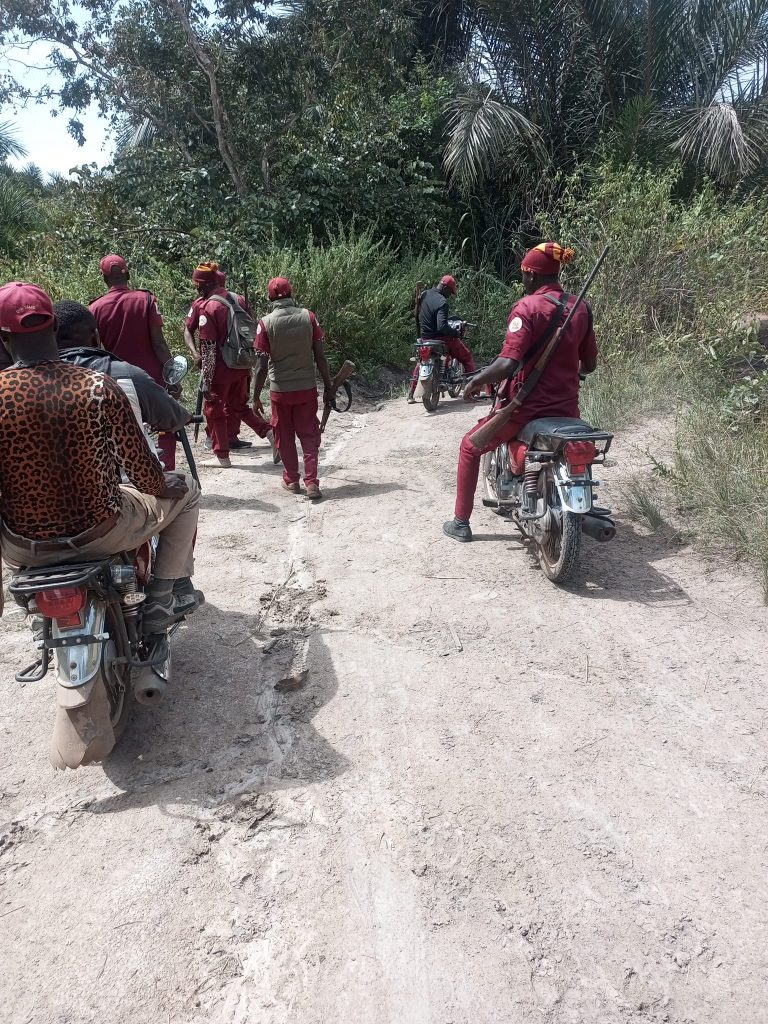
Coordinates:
<point>546,259</point>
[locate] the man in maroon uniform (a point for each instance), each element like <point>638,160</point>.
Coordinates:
<point>191,325</point>
<point>290,341</point>
<point>224,389</point>
<point>557,392</point>
<point>131,328</point>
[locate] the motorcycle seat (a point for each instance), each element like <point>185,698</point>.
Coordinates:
<point>550,432</point>
<point>432,342</point>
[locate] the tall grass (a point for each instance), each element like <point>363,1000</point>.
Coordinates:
<point>360,287</point>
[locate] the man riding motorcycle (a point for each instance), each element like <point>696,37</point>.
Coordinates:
<point>543,307</point>
<point>66,434</point>
<point>77,336</point>
<point>434,325</point>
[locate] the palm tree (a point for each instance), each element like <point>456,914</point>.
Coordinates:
<point>546,83</point>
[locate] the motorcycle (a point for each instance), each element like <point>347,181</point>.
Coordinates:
<point>543,482</point>
<point>439,373</point>
<point>88,619</point>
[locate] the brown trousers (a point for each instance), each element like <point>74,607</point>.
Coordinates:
<point>141,516</point>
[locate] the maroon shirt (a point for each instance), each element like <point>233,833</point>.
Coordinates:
<point>124,317</point>
<point>557,392</point>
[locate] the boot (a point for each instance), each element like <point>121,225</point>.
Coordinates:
<point>313,492</point>
<point>458,529</point>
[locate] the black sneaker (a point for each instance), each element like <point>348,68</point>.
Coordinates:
<point>236,444</point>
<point>185,598</point>
<point>458,529</point>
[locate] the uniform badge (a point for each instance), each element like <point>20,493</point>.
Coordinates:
<point>515,325</point>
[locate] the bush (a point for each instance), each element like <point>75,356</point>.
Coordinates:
<point>673,309</point>
<point>361,288</point>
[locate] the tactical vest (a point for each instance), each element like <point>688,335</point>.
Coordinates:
<point>291,360</point>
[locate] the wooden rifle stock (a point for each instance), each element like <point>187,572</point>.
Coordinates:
<point>346,371</point>
<point>485,435</point>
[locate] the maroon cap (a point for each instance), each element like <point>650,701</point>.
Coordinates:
<point>113,262</point>
<point>279,288</point>
<point>18,302</point>
<point>221,278</point>
<point>206,273</point>
<point>449,282</point>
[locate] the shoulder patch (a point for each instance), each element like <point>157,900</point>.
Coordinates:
<point>203,320</point>
<point>514,325</point>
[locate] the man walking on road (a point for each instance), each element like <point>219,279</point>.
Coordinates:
<point>543,307</point>
<point>191,326</point>
<point>131,328</point>
<point>224,389</point>
<point>290,342</point>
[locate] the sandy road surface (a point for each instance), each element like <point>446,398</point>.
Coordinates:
<point>492,801</point>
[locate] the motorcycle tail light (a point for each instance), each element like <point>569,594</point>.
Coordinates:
<point>425,352</point>
<point>61,603</point>
<point>579,455</point>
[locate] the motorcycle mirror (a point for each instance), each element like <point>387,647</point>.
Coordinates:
<point>175,370</point>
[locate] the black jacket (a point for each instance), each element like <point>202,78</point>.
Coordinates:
<point>158,409</point>
<point>433,316</point>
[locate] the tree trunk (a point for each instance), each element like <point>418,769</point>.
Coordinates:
<point>220,117</point>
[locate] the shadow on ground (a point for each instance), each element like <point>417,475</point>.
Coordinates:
<point>223,726</point>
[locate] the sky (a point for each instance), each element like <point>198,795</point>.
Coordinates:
<point>43,135</point>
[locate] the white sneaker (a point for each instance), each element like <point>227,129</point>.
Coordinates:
<point>217,463</point>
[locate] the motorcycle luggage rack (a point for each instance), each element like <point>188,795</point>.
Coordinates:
<point>32,581</point>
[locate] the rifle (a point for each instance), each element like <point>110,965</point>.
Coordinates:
<point>483,437</point>
<point>346,371</point>
<point>199,406</point>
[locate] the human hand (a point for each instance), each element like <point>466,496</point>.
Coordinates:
<point>328,395</point>
<point>258,407</point>
<point>175,486</point>
<point>472,389</point>
<point>174,390</point>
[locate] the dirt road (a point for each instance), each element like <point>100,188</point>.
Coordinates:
<point>492,802</point>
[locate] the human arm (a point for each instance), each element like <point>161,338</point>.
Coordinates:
<point>588,349</point>
<point>189,341</point>
<point>158,408</point>
<point>444,328</point>
<point>500,369</point>
<point>259,382</point>
<point>128,441</point>
<point>156,335</point>
<point>321,362</point>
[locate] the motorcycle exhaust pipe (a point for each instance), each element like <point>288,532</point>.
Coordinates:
<point>149,688</point>
<point>599,528</point>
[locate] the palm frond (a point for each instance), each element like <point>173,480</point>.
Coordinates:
<point>726,142</point>
<point>9,143</point>
<point>481,132</point>
<point>18,212</point>
<point>135,136</point>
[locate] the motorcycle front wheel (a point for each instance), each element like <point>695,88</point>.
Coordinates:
<point>456,378</point>
<point>489,471</point>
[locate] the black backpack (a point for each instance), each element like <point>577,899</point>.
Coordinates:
<point>238,351</point>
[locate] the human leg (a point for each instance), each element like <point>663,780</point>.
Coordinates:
<point>285,440</point>
<point>469,464</point>
<point>307,429</point>
<point>459,351</point>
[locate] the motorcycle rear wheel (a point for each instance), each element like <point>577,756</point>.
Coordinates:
<point>560,547</point>
<point>431,397</point>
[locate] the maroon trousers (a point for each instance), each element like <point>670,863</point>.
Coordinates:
<point>291,420</point>
<point>228,401</point>
<point>469,460</point>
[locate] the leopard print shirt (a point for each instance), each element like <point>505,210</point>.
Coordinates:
<point>64,433</point>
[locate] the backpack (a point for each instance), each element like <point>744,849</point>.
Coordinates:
<point>237,351</point>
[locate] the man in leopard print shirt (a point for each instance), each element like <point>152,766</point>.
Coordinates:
<point>65,433</point>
